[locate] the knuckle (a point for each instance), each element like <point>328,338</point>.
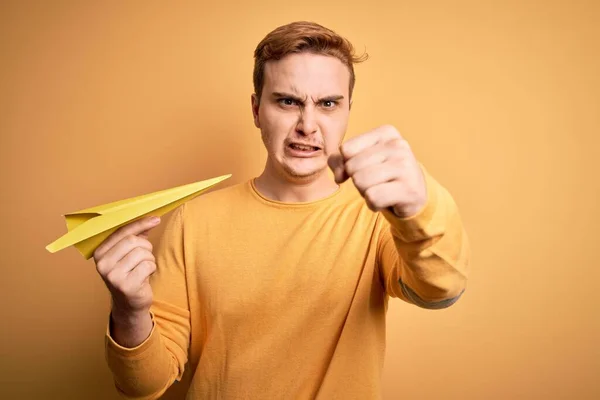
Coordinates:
<point>370,196</point>
<point>399,144</point>
<point>146,244</point>
<point>139,253</point>
<point>358,181</point>
<point>113,278</point>
<point>373,199</point>
<point>131,240</point>
<point>389,128</point>
<point>149,267</point>
<point>370,205</point>
<point>350,168</point>
<point>365,176</point>
<point>343,149</point>
<point>102,266</point>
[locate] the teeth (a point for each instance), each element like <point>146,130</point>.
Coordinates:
<point>303,147</point>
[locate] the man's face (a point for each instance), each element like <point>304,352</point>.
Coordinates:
<point>303,113</point>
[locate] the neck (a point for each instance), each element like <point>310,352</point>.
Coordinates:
<point>279,187</point>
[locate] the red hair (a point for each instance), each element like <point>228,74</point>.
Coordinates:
<point>299,37</point>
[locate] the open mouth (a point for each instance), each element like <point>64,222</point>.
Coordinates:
<point>303,147</point>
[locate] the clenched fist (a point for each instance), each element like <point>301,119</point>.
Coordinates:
<point>383,169</point>
<point>125,262</point>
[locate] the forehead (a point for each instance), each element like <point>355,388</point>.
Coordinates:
<point>307,74</point>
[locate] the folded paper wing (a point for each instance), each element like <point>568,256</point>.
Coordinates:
<point>88,228</point>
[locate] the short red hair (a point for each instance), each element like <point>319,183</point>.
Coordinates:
<point>299,37</point>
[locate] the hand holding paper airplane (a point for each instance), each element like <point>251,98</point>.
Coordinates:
<point>125,262</point>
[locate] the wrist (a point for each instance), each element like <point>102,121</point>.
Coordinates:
<point>128,318</point>
<point>406,212</point>
<point>130,329</point>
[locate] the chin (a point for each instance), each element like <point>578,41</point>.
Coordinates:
<point>302,173</point>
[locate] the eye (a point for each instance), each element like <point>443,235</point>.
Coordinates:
<point>286,101</point>
<point>329,103</point>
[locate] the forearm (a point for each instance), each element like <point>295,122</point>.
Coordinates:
<point>432,275</point>
<point>143,370</point>
<point>433,252</point>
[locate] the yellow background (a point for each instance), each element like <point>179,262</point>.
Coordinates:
<point>101,101</point>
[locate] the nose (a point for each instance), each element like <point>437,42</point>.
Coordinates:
<point>307,123</point>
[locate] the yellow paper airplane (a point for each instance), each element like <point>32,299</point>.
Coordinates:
<point>88,228</point>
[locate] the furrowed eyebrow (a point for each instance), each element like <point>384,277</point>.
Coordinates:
<point>287,95</point>
<point>298,99</point>
<point>332,98</point>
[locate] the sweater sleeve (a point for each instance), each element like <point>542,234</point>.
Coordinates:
<point>147,370</point>
<point>423,259</point>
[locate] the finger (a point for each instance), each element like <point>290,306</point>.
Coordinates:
<point>336,163</point>
<point>370,157</point>
<point>117,276</point>
<point>353,146</point>
<point>116,253</point>
<point>372,176</point>
<point>142,271</point>
<point>133,228</point>
<point>384,195</point>
<point>133,259</point>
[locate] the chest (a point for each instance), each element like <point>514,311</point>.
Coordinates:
<point>271,267</point>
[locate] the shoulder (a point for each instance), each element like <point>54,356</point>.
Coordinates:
<point>216,201</point>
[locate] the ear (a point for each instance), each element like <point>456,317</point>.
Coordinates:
<point>350,104</point>
<point>255,105</point>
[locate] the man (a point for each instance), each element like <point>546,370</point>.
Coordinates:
<point>277,288</point>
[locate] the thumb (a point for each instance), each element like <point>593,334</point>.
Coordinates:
<point>336,163</point>
<point>144,234</point>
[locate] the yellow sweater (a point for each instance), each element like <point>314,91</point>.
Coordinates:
<point>271,300</point>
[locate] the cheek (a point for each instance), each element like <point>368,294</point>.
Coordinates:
<point>335,132</point>
<point>277,123</point>
<point>274,128</point>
